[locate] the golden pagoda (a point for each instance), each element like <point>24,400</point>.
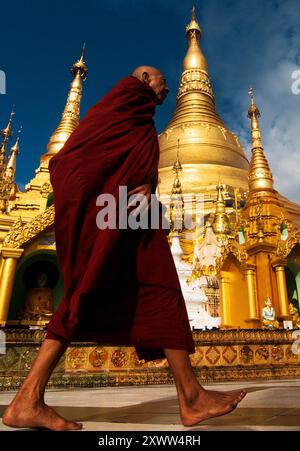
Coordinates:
<point>27,241</point>
<point>264,265</point>
<point>35,197</point>
<point>208,148</point>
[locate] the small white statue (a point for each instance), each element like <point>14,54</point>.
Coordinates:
<point>268,315</point>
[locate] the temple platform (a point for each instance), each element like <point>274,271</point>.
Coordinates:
<point>268,406</point>
<point>221,355</point>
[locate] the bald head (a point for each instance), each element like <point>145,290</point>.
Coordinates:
<point>155,79</point>
<point>139,71</point>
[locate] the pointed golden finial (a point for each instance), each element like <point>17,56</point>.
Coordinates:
<point>11,165</point>
<point>193,25</point>
<point>80,66</point>
<point>6,132</point>
<point>221,223</point>
<point>260,175</point>
<point>194,58</point>
<point>71,115</point>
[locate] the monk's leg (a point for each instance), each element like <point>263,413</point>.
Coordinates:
<point>195,403</point>
<point>28,409</point>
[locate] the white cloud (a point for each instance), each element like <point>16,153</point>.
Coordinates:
<point>264,55</point>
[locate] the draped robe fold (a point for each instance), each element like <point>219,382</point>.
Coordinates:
<point>120,285</point>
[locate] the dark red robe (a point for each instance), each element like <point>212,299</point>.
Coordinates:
<point>120,285</point>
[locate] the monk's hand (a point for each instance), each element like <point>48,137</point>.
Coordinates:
<point>145,200</point>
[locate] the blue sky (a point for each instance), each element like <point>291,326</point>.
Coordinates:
<point>246,44</point>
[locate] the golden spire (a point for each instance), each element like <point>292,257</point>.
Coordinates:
<point>260,175</point>
<point>71,115</point>
<point>177,204</point>
<point>8,178</point>
<point>221,222</point>
<point>11,165</point>
<point>6,133</point>
<point>194,58</point>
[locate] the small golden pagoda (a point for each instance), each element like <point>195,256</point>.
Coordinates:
<point>262,261</point>
<point>28,265</point>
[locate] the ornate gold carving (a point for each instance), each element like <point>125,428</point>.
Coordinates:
<point>285,247</point>
<point>119,358</point>
<point>98,357</point>
<point>213,355</point>
<point>220,355</point>
<point>229,354</point>
<point>231,247</point>
<point>246,354</point>
<point>195,80</point>
<point>20,233</point>
<point>262,353</point>
<point>277,353</point>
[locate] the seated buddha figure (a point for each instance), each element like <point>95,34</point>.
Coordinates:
<point>39,300</point>
<point>295,316</point>
<point>268,315</point>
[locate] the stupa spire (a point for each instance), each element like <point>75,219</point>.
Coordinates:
<point>11,165</point>
<point>6,133</point>
<point>71,115</point>
<point>194,57</point>
<point>260,175</point>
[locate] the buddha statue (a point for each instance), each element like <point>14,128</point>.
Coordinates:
<point>268,315</point>
<point>295,316</point>
<point>39,300</point>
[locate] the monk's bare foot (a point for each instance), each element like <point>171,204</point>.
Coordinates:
<point>36,415</point>
<point>234,395</point>
<point>209,404</point>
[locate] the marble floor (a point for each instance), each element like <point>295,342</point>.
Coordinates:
<point>268,406</point>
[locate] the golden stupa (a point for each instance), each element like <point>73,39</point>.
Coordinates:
<point>208,148</point>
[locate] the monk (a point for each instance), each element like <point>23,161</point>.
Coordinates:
<point>120,284</point>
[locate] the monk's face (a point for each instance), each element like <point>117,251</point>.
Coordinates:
<point>157,81</point>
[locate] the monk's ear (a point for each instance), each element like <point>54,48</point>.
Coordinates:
<point>145,78</point>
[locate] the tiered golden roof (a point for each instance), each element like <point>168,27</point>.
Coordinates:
<point>207,148</point>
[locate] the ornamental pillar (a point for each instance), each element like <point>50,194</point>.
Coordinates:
<point>283,298</point>
<point>252,294</point>
<point>10,258</point>
<point>225,300</point>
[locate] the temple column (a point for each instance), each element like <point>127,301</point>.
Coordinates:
<point>284,312</point>
<point>1,263</point>
<point>254,316</point>
<point>10,258</point>
<point>225,300</point>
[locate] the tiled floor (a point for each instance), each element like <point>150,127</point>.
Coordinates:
<point>269,405</point>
